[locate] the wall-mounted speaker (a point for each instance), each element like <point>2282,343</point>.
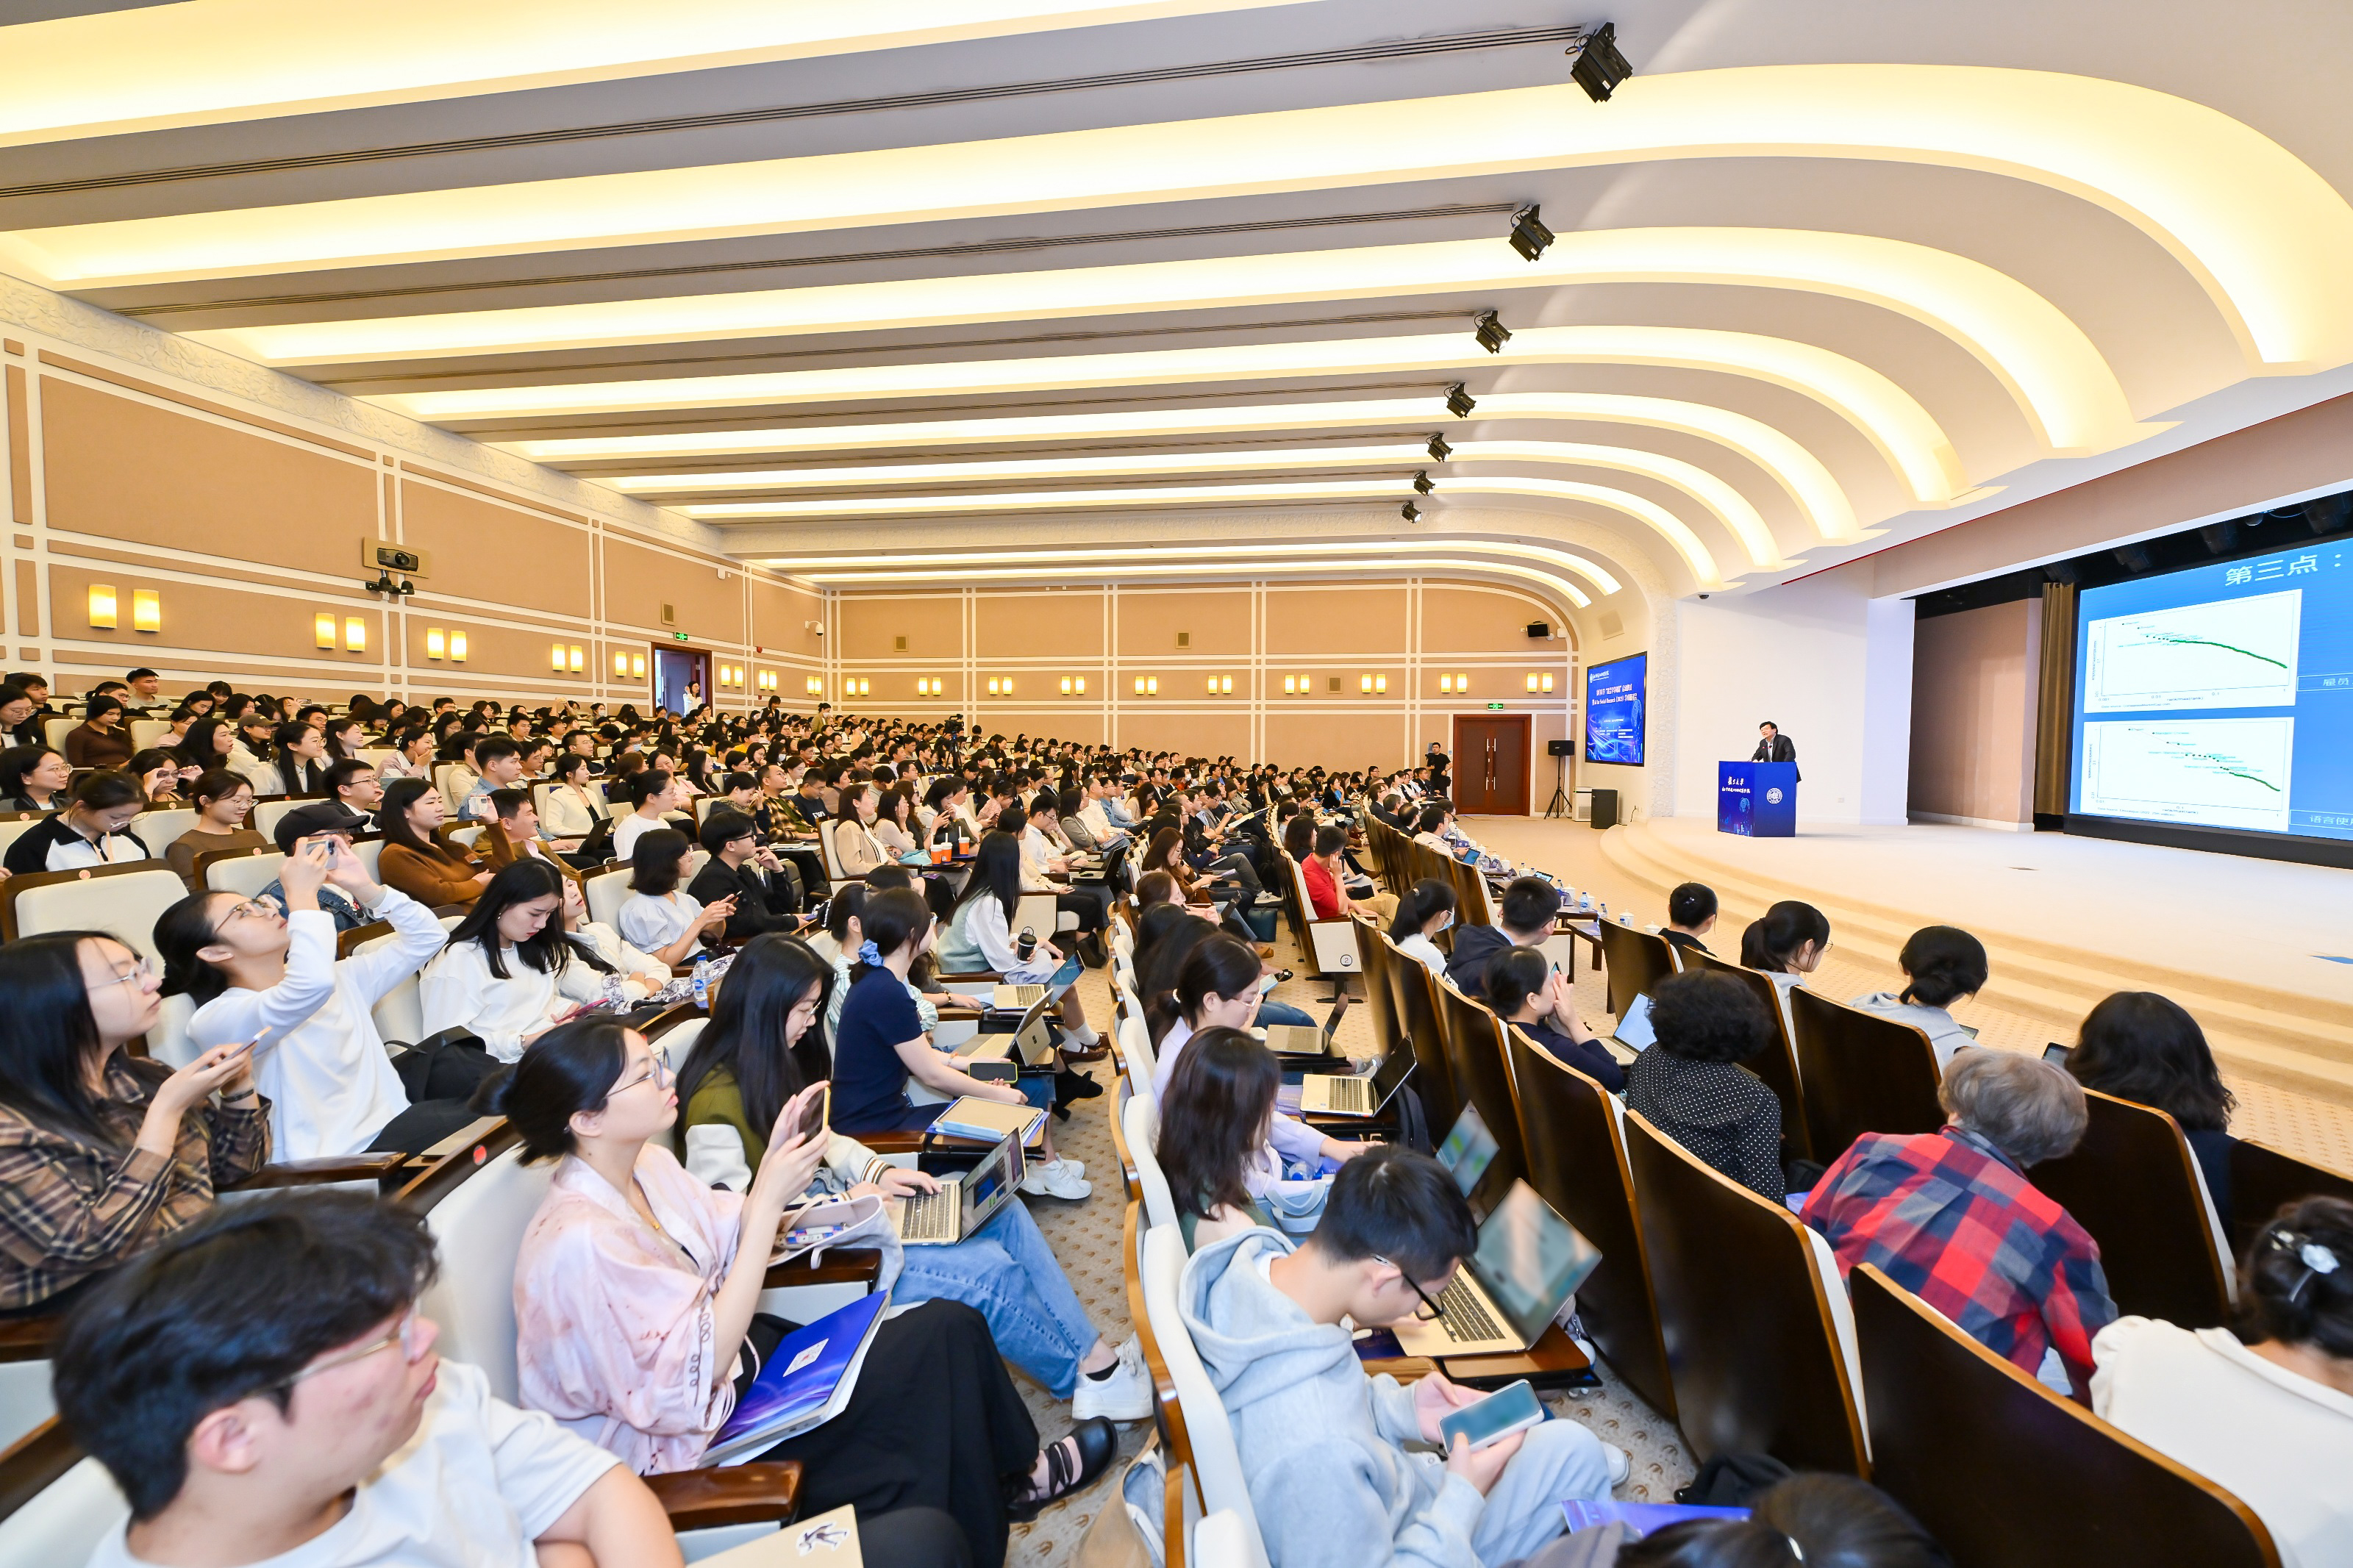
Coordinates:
<point>1560,748</point>
<point>1539,628</point>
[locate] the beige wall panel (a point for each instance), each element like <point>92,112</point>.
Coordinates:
<point>1468,619</point>
<point>28,601</point>
<point>780,617</point>
<point>1188,734</point>
<point>205,617</point>
<point>480,549</point>
<point>1218,621</point>
<point>639,582</point>
<point>897,685</point>
<point>872,624</point>
<point>495,651</point>
<point>1973,709</point>
<point>1082,725</point>
<point>1354,620</point>
<point>1344,741</point>
<point>124,470</point>
<point>20,446</point>
<point>1040,626</point>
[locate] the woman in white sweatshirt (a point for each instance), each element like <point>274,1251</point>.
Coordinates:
<point>510,974</point>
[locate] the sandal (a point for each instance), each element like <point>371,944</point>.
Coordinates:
<point>1072,1464</point>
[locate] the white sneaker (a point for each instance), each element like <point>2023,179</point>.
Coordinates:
<point>1266,899</point>
<point>1125,1395</point>
<point>1621,1463</point>
<point>1055,1180</point>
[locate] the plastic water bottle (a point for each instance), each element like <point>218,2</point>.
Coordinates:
<point>1589,902</point>
<point>703,984</point>
<point>1625,917</point>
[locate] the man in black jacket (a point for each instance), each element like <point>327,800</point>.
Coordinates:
<point>1772,746</point>
<point>1529,905</point>
<point>740,865</point>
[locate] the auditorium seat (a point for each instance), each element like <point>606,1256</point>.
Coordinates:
<point>1327,948</point>
<point>1758,1336</point>
<point>123,900</point>
<point>1142,1130</point>
<point>1204,1468</point>
<point>1416,990</point>
<point>2008,1474</point>
<point>1577,1162</point>
<point>1380,990</point>
<point>268,810</point>
<point>606,888</point>
<point>1634,961</point>
<point>2262,1179</point>
<point>1481,1072</point>
<point>160,829</point>
<point>2134,1185</point>
<point>1777,1064</point>
<point>1861,1073</point>
<point>244,872</point>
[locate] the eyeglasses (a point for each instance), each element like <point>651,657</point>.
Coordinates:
<point>253,909</point>
<point>143,970</point>
<point>404,1333</point>
<point>658,1072</point>
<point>1429,1311</point>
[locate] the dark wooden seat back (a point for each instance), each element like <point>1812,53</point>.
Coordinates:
<point>1777,1064</point>
<point>1577,1162</point>
<point>1482,1073</point>
<point>1743,1315</point>
<point>1415,989</point>
<point>1376,954</point>
<point>2262,1179</point>
<point>1863,1073</point>
<point>1635,961</point>
<point>2132,1183</point>
<point>2007,1474</point>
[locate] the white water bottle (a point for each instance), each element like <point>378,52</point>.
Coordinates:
<point>703,984</point>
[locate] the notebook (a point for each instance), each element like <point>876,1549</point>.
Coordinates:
<point>828,1540</point>
<point>1644,1516</point>
<point>804,1384</point>
<point>987,1121</point>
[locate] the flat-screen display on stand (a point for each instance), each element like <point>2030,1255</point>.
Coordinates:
<point>1614,709</point>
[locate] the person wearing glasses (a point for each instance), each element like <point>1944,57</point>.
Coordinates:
<point>102,1152</point>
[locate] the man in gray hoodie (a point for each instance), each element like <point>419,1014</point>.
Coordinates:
<point>1323,1443</point>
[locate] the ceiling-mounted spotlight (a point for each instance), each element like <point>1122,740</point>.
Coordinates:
<point>1599,67</point>
<point>1439,450</point>
<point>1411,513</point>
<point>2328,514</point>
<point>1421,481</point>
<point>1458,402</point>
<point>383,583</point>
<point>1529,235</point>
<point>1489,329</point>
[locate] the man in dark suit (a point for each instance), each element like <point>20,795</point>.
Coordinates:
<point>1772,746</point>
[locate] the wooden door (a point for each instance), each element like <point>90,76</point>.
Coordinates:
<point>1491,764</point>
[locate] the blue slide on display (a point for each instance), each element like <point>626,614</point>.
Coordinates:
<point>2221,698</point>
<point>1613,710</point>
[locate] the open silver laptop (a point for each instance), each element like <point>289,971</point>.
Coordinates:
<point>1303,1039</point>
<point>1030,1043</point>
<point>1348,1094</point>
<point>963,1203</point>
<point>1503,1296</point>
<point>1015,998</point>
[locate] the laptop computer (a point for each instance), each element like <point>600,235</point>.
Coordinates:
<point>1634,1034</point>
<point>1291,1041</point>
<point>1015,998</point>
<point>962,1205</point>
<point>1468,1152</point>
<point>1347,1094</point>
<point>1502,1297</point>
<point>1029,1043</point>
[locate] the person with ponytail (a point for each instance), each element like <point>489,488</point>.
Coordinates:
<point>1218,985</point>
<point>979,938</point>
<point>256,973</point>
<point>1788,944</point>
<point>637,1322</point>
<point>2266,1412</point>
<point>749,1062</point>
<point>1426,911</point>
<point>1527,991</point>
<point>1942,965</point>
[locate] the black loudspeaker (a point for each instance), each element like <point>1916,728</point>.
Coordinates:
<point>1560,748</point>
<point>1604,808</point>
<point>1539,628</point>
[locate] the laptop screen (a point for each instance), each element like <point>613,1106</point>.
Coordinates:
<point>1634,1028</point>
<point>986,1185</point>
<point>1529,1259</point>
<point>1395,1068</point>
<point>1468,1151</point>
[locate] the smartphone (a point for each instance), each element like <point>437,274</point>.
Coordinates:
<point>813,1114</point>
<point>1512,1408</point>
<point>2056,1054</point>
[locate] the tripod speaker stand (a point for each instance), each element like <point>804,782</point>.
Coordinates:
<point>1560,805</point>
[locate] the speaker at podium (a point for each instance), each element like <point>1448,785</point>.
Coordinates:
<point>1756,800</point>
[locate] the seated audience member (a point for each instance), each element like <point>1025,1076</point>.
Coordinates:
<point>2267,1411</point>
<point>158,773</point>
<point>1527,993</point>
<point>1822,1520</point>
<point>222,801</point>
<point>512,832</point>
<point>416,861</point>
<point>326,819</point>
<point>20,718</point>
<point>2141,1046</point>
<point>894,824</point>
<point>298,761</point>
<point>1157,888</point>
<point>1942,965</point>
<point>1323,1445</point>
<point>254,975</point>
<point>1429,827</point>
<point>1045,868</point>
<point>509,972</point>
<point>744,1068</point>
<point>412,756</point>
<point>1788,944</point>
<point>880,1042</point>
<point>743,869</point>
<point>211,743</point>
<point>1218,987</point>
<point>1528,906</point>
<point>101,740</point>
<point>234,1383</point>
<point>1214,1146</point>
<point>93,830</point>
<point>660,919</point>
<point>497,761</point>
<point>1426,911</point>
<point>655,795</point>
<point>1951,1217</point>
<point>1326,880</point>
<point>852,831</point>
<point>980,937</point>
<point>1690,915</point>
<point>636,1298</point>
<point>574,807</point>
<point>101,1152</point>
<point>34,778</point>
<point>642,975</point>
<point>1690,1085</point>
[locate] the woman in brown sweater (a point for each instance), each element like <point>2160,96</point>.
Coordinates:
<point>430,872</point>
<point>99,741</point>
<point>223,802</point>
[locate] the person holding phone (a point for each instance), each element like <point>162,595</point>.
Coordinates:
<point>661,917</point>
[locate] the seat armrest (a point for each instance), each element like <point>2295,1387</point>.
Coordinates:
<point>29,1339</point>
<point>730,1494</point>
<point>842,1266</point>
<point>909,1141</point>
<point>315,1173</point>
<point>961,1015</point>
<point>945,979</point>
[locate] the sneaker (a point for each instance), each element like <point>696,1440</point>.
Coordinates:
<point>1056,1179</point>
<point>1621,1463</point>
<point>1125,1395</point>
<point>1268,900</point>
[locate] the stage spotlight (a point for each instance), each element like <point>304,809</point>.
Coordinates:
<point>2328,514</point>
<point>1460,403</point>
<point>2136,558</point>
<point>1492,333</point>
<point>1421,481</point>
<point>2220,538</point>
<point>1529,235</point>
<point>1599,67</point>
<point>1411,513</point>
<point>1439,450</point>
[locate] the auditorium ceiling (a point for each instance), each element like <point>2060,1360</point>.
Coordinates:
<point>982,290</point>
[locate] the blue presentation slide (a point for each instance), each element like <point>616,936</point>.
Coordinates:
<point>2220,696</point>
<point>1613,710</point>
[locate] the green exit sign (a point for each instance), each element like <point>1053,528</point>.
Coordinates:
<point>1494,708</point>
<point>678,637</point>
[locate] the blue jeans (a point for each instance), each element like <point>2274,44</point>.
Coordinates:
<point>1270,1012</point>
<point>1008,1273</point>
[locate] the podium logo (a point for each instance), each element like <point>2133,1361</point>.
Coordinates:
<point>1772,797</point>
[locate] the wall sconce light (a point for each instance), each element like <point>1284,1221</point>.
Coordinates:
<point>1546,682</point>
<point>101,606</point>
<point>992,686</point>
<point>456,648</point>
<point>1082,685</point>
<point>555,657</point>
<point>1539,682</point>
<point>323,631</point>
<point>146,610</point>
<point>437,642</point>
<point>578,658</point>
<point>815,686</point>
<point>354,634</point>
<point>637,666</point>
<point>1221,686</point>
<point>1290,684</point>
<point>621,665</point>
<point>1446,683</point>
<point>1213,686</point>
<point>1147,686</point>
<point>1369,684</point>
<point>1532,680</point>
<point>1066,686</point>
